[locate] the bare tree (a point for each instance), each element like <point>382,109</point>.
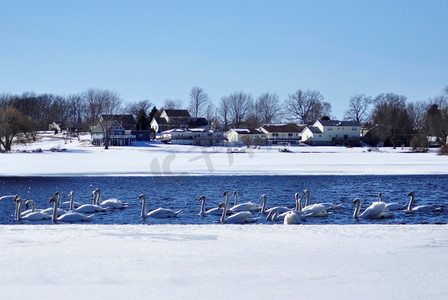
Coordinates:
<point>416,112</point>
<point>358,108</point>
<point>391,118</point>
<point>305,106</point>
<point>198,101</point>
<point>267,108</point>
<point>240,106</point>
<point>100,102</point>
<point>172,104</point>
<point>13,123</point>
<point>224,111</point>
<point>137,107</point>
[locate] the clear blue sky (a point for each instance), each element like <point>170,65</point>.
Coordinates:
<point>160,49</point>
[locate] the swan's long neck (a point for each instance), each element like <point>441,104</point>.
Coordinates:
<point>19,209</point>
<point>224,213</point>
<point>58,203</point>
<point>273,215</point>
<point>380,197</point>
<point>96,197</point>
<point>357,209</point>
<point>298,204</point>
<point>202,213</point>
<point>411,202</point>
<point>55,212</point>
<point>265,202</point>
<point>72,201</point>
<point>143,214</point>
<point>235,203</point>
<point>227,200</point>
<point>307,203</point>
<point>33,205</point>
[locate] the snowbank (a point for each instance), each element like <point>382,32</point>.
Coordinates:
<point>76,158</point>
<point>224,262</point>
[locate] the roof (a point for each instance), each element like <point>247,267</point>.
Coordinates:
<point>291,127</point>
<point>198,122</point>
<point>246,131</point>
<point>338,123</point>
<point>127,121</point>
<point>314,129</point>
<point>177,113</point>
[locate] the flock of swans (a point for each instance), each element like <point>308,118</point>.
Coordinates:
<point>239,213</point>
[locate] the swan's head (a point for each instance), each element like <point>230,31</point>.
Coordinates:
<point>235,193</point>
<point>356,201</point>
<point>296,196</point>
<point>306,192</point>
<point>57,193</point>
<point>96,191</point>
<point>28,203</point>
<point>263,196</point>
<point>71,193</point>
<point>53,199</point>
<point>202,198</point>
<point>141,196</point>
<point>411,194</point>
<point>222,205</point>
<point>380,194</point>
<point>17,198</point>
<point>225,193</point>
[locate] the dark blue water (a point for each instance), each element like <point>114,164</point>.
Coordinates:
<point>183,193</point>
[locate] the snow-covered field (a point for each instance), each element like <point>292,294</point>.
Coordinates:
<point>220,261</point>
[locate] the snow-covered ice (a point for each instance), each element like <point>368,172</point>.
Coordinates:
<point>221,261</point>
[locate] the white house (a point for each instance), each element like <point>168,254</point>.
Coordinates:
<point>247,136</point>
<point>193,136</point>
<point>332,132</point>
<point>277,134</point>
<point>169,119</point>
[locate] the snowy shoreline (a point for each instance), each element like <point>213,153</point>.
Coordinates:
<point>222,261</point>
<point>156,159</point>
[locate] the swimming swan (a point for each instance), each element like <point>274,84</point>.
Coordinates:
<point>90,208</point>
<point>264,210</point>
<point>159,213</point>
<point>59,210</point>
<point>420,208</point>
<point>211,211</point>
<point>32,216</point>
<point>314,210</point>
<point>242,217</point>
<point>246,206</point>
<point>112,203</point>
<point>327,205</point>
<point>391,206</point>
<point>377,210</point>
<point>69,217</point>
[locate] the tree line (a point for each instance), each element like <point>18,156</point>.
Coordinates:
<point>388,116</point>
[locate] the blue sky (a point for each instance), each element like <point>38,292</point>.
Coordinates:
<point>161,49</point>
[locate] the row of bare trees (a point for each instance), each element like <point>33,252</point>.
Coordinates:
<point>388,115</point>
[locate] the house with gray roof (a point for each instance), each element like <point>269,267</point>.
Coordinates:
<point>332,132</point>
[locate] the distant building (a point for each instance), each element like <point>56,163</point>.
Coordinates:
<point>332,132</point>
<point>193,136</point>
<point>170,119</point>
<point>246,136</point>
<point>280,134</point>
<point>109,128</point>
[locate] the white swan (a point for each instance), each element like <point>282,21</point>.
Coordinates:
<point>264,210</point>
<point>32,216</point>
<point>59,210</point>
<point>420,208</point>
<point>211,211</point>
<point>274,216</point>
<point>314,210</point>
<point>67,203</point>
<point>159,213</point>
<point>327,205</point>
<point>246,206</point>
<point>292,217</point>
<point>391,206</point>
<point>90,208</point>
<point>377,210</point>
<point>30,210</point>
<point>242,217</point>
<point>69,217</point>
<point>112,203</point>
